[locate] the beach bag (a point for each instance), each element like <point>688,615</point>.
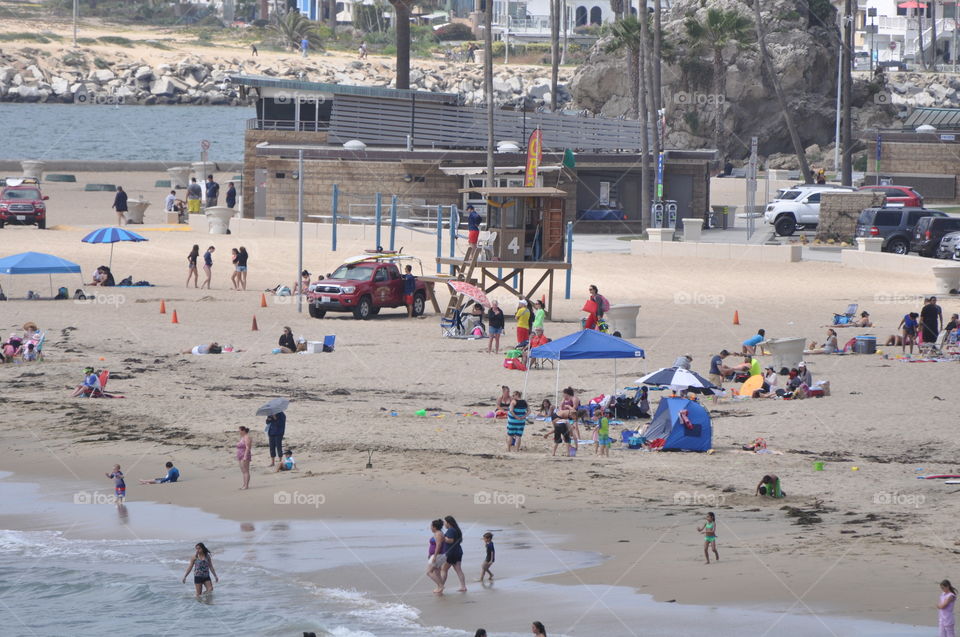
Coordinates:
<point>62,294</point>
<point>514,363</point>
<point>127,281</point>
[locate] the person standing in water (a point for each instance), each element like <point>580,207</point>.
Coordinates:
<point>709,530</point>
<point>948,597</point>
<point>202,567</point>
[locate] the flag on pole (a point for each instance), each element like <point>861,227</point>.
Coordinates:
<point>534,154</point>
<point>569,161</point>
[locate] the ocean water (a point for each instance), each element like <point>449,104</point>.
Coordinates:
<point>85,567</point>
<point>105,132</point>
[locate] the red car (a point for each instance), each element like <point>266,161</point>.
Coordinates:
<point>900,195</point>
<point>22,203</point>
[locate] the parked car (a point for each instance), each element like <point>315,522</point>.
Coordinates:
<point>364,288</point>
<point>904,195</point>
<point>21,202</point>
<point>894,224</point>
<point>948,246</point>
<point>799,206</point>
<point>928,233</point>
<point>861,60</point>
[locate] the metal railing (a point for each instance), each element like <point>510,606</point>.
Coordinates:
<point>287,125</point>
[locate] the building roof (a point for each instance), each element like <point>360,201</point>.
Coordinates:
<point>263,81</point>
<point>517,192</point>
<point>939,118</point>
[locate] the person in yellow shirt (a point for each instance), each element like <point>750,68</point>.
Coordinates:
<point>523,321</point>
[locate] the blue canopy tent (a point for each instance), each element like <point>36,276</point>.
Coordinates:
<point>583,345</point>
<point>38,263</point>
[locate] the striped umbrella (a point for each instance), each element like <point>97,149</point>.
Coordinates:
<point>111,235</point>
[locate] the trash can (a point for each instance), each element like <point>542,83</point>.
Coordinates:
<point>865,345</point>
<point>720,216</point>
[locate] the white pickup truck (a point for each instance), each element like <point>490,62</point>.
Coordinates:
<point>797,207</point>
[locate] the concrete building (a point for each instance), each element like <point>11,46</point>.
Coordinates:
<point>424,148</point>
<point>898,30</point>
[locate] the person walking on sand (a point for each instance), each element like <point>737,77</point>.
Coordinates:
<point>202,567</point>
<point>931,320</point>
<point>490,557</point>
<point>119,486</point>
<point>244,455</point>
<point>304,47</point>
<point>595,307</point>
<point>709,530</point>
<point>435,553</point>
<point>120,205</point>
<point>453,538</point>
<point>207,267</point>
<point>948,597</point>
<point>516,421</point>
<point>242,257</point>
<point>276,428</point>
<point>192,265</point>
<point>234,258</point>
<point>253,50</point>
<point>495,323</point>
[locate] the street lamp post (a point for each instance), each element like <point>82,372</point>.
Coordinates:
<point>75,11</point>
<point>300,292</point>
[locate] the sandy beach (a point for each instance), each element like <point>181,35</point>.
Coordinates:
<point>869,544</point>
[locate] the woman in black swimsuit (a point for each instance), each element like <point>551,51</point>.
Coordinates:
<point>202,567</point>
<point>503,403</point>
<point>192,265</point>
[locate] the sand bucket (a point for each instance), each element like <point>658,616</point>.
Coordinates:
<point>573,452</point>
<point>818,466</point>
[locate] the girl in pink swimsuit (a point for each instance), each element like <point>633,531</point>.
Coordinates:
<point>244,454</point>
<point>948,597</point>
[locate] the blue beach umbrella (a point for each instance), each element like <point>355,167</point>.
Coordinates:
<point>111,235</point>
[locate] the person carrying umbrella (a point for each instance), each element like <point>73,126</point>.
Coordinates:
<point>276,426</point>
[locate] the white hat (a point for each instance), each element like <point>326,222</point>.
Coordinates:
<point>523,302</point>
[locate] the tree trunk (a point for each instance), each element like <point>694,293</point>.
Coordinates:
<point>332,17</point>
<point>633,76</point>
<point>719,87</point>
<point>657,89</point>
<point>264,9</point>
<point>554,51</point>
<point>781,98</point>
<point>401,17</point>
<point>923,53</point>
<point>644,133</point>
<point>933,36</point>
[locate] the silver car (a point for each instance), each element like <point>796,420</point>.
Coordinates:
<point>948,246</point>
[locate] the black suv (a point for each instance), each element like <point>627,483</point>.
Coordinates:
<point>929,231</point>
<point>893,224</point>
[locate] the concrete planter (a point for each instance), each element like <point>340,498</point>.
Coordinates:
<point>201,169</point>
<point>136,209</point>
<point>948,278</point>
<point>218,219</point>
<point>623,319</point>
<point>180,176</point>
<point>32,168</point>
<point>660,234</point>
<point>869,244</point>
<point>692,229</point>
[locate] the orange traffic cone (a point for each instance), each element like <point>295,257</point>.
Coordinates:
<point>263,300</point>
<point>175,320</point>
<point>163,307</point>
<point>254,328</point>
<point>736,317</point>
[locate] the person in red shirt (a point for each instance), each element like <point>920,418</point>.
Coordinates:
<point>536,340</point>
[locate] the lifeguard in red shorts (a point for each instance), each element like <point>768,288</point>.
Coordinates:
<point>473,225</point>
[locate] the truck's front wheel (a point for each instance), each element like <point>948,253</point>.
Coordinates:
<point>315,311</point>
<point>785,225</point>
<point>364,309</point>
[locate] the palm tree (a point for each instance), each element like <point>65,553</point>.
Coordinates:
<point>775,80</point>
<point>626,37</point>
<point>715,33</point>
<point>401,24</point>
<point>293,27</point>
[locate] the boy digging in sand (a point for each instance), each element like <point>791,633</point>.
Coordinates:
<point>709,530</point>
<point>490,558</point>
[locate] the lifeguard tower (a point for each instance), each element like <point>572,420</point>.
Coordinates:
<point>526,231</point>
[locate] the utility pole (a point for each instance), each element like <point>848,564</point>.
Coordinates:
<point>846,130</point>
<point>488,86</point>
<point>76,4</point>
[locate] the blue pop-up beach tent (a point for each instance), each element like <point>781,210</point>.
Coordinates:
<point>38,263</point>
<point>586,344</point>
<point>696,434</point>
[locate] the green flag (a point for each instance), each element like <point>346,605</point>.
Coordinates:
<point>568,159</point>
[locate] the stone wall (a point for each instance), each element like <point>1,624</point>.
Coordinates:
<point>919,156</point>
<point>839,212</point>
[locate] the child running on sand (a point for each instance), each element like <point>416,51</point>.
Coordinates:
<point>119,486</point>
<point>490,558</point>
<point>709,530</point>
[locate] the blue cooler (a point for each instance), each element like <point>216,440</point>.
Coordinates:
<point>865,345</point>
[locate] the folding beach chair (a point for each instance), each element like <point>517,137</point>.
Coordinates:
<point>847,317</point>
<point>453,327</point>
<point>329,342</point>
